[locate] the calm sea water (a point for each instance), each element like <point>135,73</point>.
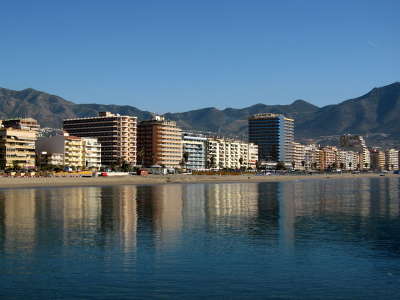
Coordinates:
<point>323,239</point>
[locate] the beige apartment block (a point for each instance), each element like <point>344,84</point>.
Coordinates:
<point>313,158</point>
<point>230,154</point>
<point>299,156</point>
<point>391,159</point>
<point>377,159</point>
<point>17,146</point>
<point>115,133</point>
<point>159,142</point>
<point>22,123</point>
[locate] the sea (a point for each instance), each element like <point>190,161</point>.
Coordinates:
<point>315,239</point>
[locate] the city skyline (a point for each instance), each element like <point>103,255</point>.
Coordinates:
<point>177,56</point>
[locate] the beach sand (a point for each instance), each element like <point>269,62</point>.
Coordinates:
<point>31,182</point>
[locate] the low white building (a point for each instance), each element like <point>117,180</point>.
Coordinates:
<point>92,151</point>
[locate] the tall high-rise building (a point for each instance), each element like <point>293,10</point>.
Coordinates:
<point>159,141</point>
<point>274,135</point>
<point>115,133</point>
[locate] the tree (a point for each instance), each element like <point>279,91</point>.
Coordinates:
<point>211,162</point>
<point>342,166</point>
<point>315,165</point>
<point>334,165</point>
<point>350,164</point>
<point>140,155</point>
<point>258,164</point>
<point>186,156</point>
<point>293,164</point>
<point>303,163</point>
<point>241,161</point>
<point>280,166</point>
<point>16,166</point>
<point>182,163</point>
<point>125,166</point>
<point>366,166</point>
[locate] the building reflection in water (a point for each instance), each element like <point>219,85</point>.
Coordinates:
<point>159,216</point>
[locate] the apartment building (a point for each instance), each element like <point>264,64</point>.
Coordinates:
<point>349,160</point>
<point>71,148</point>
<point>17,146</point>
<point>349,142</point>
<point>49,159</point>
<point>391,159</point>
<point>378,159</point>
<point>159,142</point>
<point>329,157</point>
<point>22,123</point>
<point>92,151</point>
<point>115,133</point>
<point>253,155</point>
<point>230,154</point>
<point>299,156</point>
<point>273,134</point>
<point>313,158</point>
<point>195,145</point>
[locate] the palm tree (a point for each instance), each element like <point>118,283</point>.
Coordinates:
<point>182,163</point>
<point>303,163</point>
<point>350,164</point>
<point>212,161</point>
<point>314,165</point>
<point>186,157</point>
<point>293,164</point>
<point>140,155</point>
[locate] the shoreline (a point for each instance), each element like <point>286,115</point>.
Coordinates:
<point>37,182</point>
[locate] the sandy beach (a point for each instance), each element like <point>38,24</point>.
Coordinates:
<point>30,182</point>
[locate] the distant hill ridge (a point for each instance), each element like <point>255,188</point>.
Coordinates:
<point>378,111</point>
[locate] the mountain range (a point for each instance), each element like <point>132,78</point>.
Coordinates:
<point>375,115</point>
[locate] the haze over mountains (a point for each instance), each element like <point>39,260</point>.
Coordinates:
<point>375,114</point>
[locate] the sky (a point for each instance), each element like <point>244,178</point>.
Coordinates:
<point>177,56</point>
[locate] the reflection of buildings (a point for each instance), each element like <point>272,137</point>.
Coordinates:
<point>160,215</point>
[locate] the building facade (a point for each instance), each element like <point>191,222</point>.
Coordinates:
<point>377,159</point>
<point>72,150</point>
<point>92,151</point>
<point>195,146</point>
<point>391,159</point>
<point>159,142</point>
<point>116,134</point>
<point>17,147</point>
<point>230,154</point>
<point>273,134</point>
<point>356,143</point>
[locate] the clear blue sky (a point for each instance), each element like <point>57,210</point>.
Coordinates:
<point>175,56</point>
